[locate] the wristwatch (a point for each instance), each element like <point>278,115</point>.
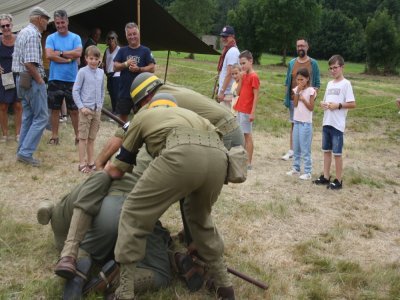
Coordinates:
<point>340,105</point>
<point>61,53</point>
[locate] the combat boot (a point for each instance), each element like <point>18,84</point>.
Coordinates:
<point>220,284</point>
<point>44,212</point>
<point>126,290</point>
<point>80,223</point>
<point>73,287</point>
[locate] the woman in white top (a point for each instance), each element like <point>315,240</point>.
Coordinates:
<point>108,66</point>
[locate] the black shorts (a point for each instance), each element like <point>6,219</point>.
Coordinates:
<point>124,106</point>
<point>57,91</point>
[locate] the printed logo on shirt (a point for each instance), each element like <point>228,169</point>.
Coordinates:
<point>333,91</point>
<point>136,59</point>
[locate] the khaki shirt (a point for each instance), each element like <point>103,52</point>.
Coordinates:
<point>152,127</point>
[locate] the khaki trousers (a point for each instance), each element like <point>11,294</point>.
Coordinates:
<point>193,171</point>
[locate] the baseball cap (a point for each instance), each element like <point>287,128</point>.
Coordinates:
<point>38,11</point>
<point>227,30</point>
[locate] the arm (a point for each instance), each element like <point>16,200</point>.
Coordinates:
<point>31,67</point>
<point>73,54</point>
<point>76,90</point>
<point>309,104</point>
<point>227,79</point>
<point>255,101</point>
<point>108,151</point>
<point>296,97</point>
<point>54,55</point>
<point>113,171</point>
<point>239,86</point>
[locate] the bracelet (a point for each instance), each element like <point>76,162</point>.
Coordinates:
<point>340,105</point>
<point>126,64</point>
<point>61,53</point>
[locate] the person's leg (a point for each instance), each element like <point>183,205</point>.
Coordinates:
<point>90,151</point>
<point>63,109</point>
<point>124,107</point>
<point>337,148</point>
<point>17,117</point>
<point>291,136</point>
<point>83,129</point>
<point>55,122</point>
<point>74,121</point>
<point>338,167</point>
<point>168,178</point>
<point>94,127</point>
<point>327,164</point>
<point>305,146</point>
<point>249,146</point>
<point>296,147</point>
<point>82,153</point>
<point>4,119</point>
<point>198,206</point>
<point>37,98</point>
<point>72,108</point>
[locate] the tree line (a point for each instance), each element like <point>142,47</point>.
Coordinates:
<point>360,30</point>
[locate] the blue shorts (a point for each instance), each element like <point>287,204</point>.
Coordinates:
<point>291,111</point>
<point>332,140</point>
<point>244,122</point>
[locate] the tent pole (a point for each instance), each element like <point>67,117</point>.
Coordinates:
<point>138,13</point>
<point>166,67</point>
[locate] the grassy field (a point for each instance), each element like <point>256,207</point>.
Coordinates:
<point>306,242</point>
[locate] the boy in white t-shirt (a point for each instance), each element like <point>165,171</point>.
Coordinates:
<point>338,99</point>
<point>303,101</point>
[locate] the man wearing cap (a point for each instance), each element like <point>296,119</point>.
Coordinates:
<point>63,49</point>
<point>27,63</point>
<point>189,160</point>
<point>131,61</point>
<point>229,57</point>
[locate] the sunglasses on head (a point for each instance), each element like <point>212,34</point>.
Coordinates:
<point>6,25</point>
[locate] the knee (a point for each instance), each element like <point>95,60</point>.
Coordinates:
<point>3,108</point>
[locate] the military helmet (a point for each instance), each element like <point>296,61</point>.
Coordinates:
<point>162,99</point>
<point>143,85</point>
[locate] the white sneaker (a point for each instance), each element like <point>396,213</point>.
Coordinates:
<point>305,176</point>
<point>293,172</point>
<point>288,155</point>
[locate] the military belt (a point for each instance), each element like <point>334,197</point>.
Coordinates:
<point>189,136</point>
<point>226,126</point>
<point>118,193</point>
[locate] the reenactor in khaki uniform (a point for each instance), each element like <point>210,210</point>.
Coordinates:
<point>189,161</point>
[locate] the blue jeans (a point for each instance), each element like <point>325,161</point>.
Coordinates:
<point>302,138</point>
<point>34,117</point>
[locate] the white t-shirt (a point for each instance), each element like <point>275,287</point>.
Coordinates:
<point>110,61</point>
<point>231,58</point>
<point>337,92</point>
<point>301,112</point>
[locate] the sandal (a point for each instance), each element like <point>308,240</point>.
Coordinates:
<point>92,167</point>
<point>53,141</point>
<point>84,169</point>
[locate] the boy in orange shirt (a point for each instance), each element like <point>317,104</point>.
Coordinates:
<point>248,90</point>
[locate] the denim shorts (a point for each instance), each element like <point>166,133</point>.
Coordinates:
<point>244,122</point>
<point>332,140</point>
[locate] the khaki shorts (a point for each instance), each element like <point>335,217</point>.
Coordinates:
<point>89,125</point>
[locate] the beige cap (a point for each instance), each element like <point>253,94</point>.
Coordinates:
<point>38,11</point>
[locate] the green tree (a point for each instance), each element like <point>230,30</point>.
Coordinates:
<point>245,19</point>
<point>274,24</point>
<point>382,44</point>
<point>338,34</point>
<point>221,14</point>
<point>197,16</point>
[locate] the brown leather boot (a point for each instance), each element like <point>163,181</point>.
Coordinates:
<point>80,223</point>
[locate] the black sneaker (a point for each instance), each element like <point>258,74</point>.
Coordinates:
<point>335,185</point>
<point>322,181</point>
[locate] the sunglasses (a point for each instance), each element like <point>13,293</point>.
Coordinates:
<point>6,26</point>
